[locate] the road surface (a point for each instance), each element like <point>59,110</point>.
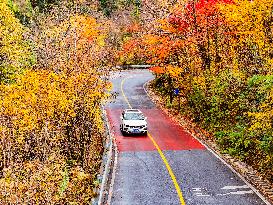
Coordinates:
<point>168,166</point>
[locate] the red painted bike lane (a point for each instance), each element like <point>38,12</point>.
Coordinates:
<point>168,134</point>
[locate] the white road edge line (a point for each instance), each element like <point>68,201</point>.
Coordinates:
<point>107,166</point>
<point>223,161</point>
<point>113,172</point>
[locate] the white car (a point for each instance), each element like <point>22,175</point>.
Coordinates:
<point>133,122</point>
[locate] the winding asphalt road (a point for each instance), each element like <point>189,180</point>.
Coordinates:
<point>168,166</point>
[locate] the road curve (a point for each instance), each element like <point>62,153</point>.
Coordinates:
<point>168,166</point>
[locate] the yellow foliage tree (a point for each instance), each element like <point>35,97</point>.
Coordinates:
<point>15,53</point>
<point>250,26</point>
<point>50,117</point>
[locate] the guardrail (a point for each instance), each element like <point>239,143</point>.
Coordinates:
<point>133,66</point>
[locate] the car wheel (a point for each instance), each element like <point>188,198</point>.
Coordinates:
<point>121,129</point>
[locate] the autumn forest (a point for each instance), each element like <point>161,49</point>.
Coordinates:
<point>55,60</point>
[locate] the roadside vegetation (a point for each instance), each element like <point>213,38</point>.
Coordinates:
<point>55,57</point>
<point>218,53</point>
<point>54,60</point>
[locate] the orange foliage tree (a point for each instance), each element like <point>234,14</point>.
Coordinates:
<point>217,52</point>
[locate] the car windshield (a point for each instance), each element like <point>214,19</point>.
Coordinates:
<point>133,116</point>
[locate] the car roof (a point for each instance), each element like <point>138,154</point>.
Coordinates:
<point>132,110</point>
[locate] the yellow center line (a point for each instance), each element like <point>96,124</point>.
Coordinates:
<point>124,96</point>
<point>164,159</point>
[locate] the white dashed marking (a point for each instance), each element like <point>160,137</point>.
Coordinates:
<point>196,189</point>
<point>235,187</point>
<point>198,192</point>
<point>230,190</point>
<point>237,193</point>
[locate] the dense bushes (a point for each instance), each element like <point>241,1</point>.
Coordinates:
<point>51,126</point>
<point>237,110</point>
<point>15,52</point>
